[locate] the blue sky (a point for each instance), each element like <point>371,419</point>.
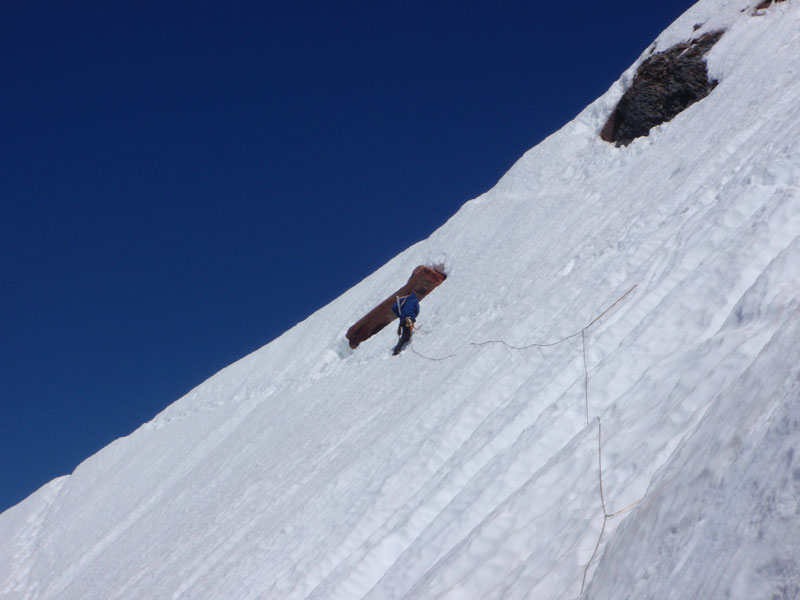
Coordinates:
<point>182,182</point>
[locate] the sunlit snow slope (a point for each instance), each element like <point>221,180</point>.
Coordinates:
<point>307,470</point>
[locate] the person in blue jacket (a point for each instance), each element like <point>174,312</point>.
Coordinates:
<point>407,309</point>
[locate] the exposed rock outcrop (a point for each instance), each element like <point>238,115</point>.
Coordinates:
<point>766,4</point>
<point>665,84</point>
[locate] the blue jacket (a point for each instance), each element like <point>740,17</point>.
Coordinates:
<point>409,307</point>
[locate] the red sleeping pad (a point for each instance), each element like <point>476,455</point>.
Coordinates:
<point>422,281</point>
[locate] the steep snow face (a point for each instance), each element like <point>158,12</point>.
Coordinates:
<point>307,470</point>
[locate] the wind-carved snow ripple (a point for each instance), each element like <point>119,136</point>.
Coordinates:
<point>419,532</point>
<point>33,514</point>
<point>500,432</point>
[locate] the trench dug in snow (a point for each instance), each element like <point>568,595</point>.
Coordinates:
<point>665,84</point>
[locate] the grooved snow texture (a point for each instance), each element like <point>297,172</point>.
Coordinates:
<point>302,472</point>
<point>665,84</point>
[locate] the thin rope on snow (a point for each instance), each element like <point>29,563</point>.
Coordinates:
<point>582,333</point>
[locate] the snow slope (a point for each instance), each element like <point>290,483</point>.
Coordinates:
<point>458,470</point>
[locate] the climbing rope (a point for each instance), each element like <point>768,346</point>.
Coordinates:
<point>432,358</point>
<point>507,345</point>
<point>606,514</point>
<point>582,333</point>
<point>536,344</point>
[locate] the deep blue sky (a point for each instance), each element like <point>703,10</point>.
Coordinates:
<point>181,182</point>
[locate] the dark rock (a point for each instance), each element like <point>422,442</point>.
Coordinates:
<point>664,85</point>
<point>764,4</point>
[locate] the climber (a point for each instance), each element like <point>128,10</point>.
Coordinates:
<point>407,309</point>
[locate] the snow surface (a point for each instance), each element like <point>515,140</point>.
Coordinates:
<point>306,470</point>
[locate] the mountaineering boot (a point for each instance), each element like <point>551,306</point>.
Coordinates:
<point>406,329</point>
